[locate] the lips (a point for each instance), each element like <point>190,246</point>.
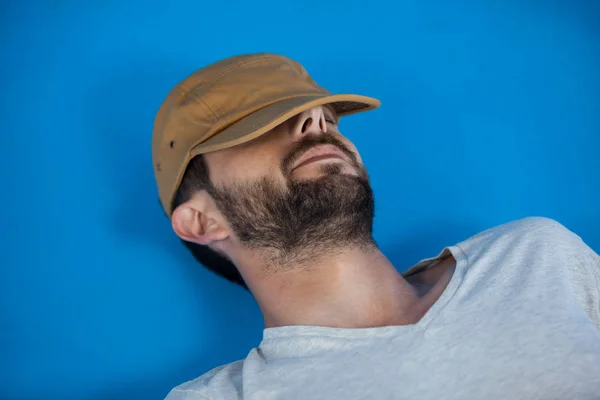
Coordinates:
<point>320,152</point>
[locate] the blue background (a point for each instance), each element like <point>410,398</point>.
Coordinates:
<point>490,112</point>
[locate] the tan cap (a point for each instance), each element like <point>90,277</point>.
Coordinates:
<point>231,102</point>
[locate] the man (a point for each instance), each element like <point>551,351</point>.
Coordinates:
<point>260,183</point>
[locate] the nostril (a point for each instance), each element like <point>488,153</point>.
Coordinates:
<point>306,124</point>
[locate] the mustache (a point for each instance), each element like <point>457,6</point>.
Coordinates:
<point>308,142</point>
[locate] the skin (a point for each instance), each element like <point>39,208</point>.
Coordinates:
<point>351,287</point>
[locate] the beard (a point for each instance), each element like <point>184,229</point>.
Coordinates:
<point>293,225</point>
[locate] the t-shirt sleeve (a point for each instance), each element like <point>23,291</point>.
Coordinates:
<point>585,271</point>
<point>183,394</point>
<point>592,261</point>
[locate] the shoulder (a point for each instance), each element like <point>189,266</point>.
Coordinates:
<point>533,225</point>
<point>220,382</point>
<point>539,224</point>
<point>525,239</point>
<point>532,241</point>
<point>541,230</point>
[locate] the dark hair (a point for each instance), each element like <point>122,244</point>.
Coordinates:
<point>195,178</point>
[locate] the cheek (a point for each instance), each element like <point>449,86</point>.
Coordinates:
<point>358,157</point>
<point>352,148</point>
<point>246,166</point>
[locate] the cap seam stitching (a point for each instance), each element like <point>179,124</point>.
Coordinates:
<point>236,65</point>
<point>240,63</point>
<point>218,120</point>
<point>228,70</point>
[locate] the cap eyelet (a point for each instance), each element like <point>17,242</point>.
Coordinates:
<point>172,143</point>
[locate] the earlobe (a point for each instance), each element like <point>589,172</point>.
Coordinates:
<point>192,225</point>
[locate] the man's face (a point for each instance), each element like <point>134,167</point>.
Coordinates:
<point>295,192</point>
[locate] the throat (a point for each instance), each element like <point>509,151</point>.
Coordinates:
<point>350,290</point>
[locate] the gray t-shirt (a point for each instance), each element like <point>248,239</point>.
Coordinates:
<point>520,319</point>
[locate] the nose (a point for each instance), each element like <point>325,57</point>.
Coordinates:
<point>310,122</point>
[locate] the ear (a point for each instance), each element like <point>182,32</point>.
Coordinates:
<point>192,221</point>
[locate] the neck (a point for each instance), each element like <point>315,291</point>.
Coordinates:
<point>351,288</point>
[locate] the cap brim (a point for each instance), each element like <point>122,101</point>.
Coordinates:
<point>267,118</point>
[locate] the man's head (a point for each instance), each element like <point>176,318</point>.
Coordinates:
<point>284,186</point>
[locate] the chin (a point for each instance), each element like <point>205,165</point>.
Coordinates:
<point>343,171</point>
<point>334,172</point>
